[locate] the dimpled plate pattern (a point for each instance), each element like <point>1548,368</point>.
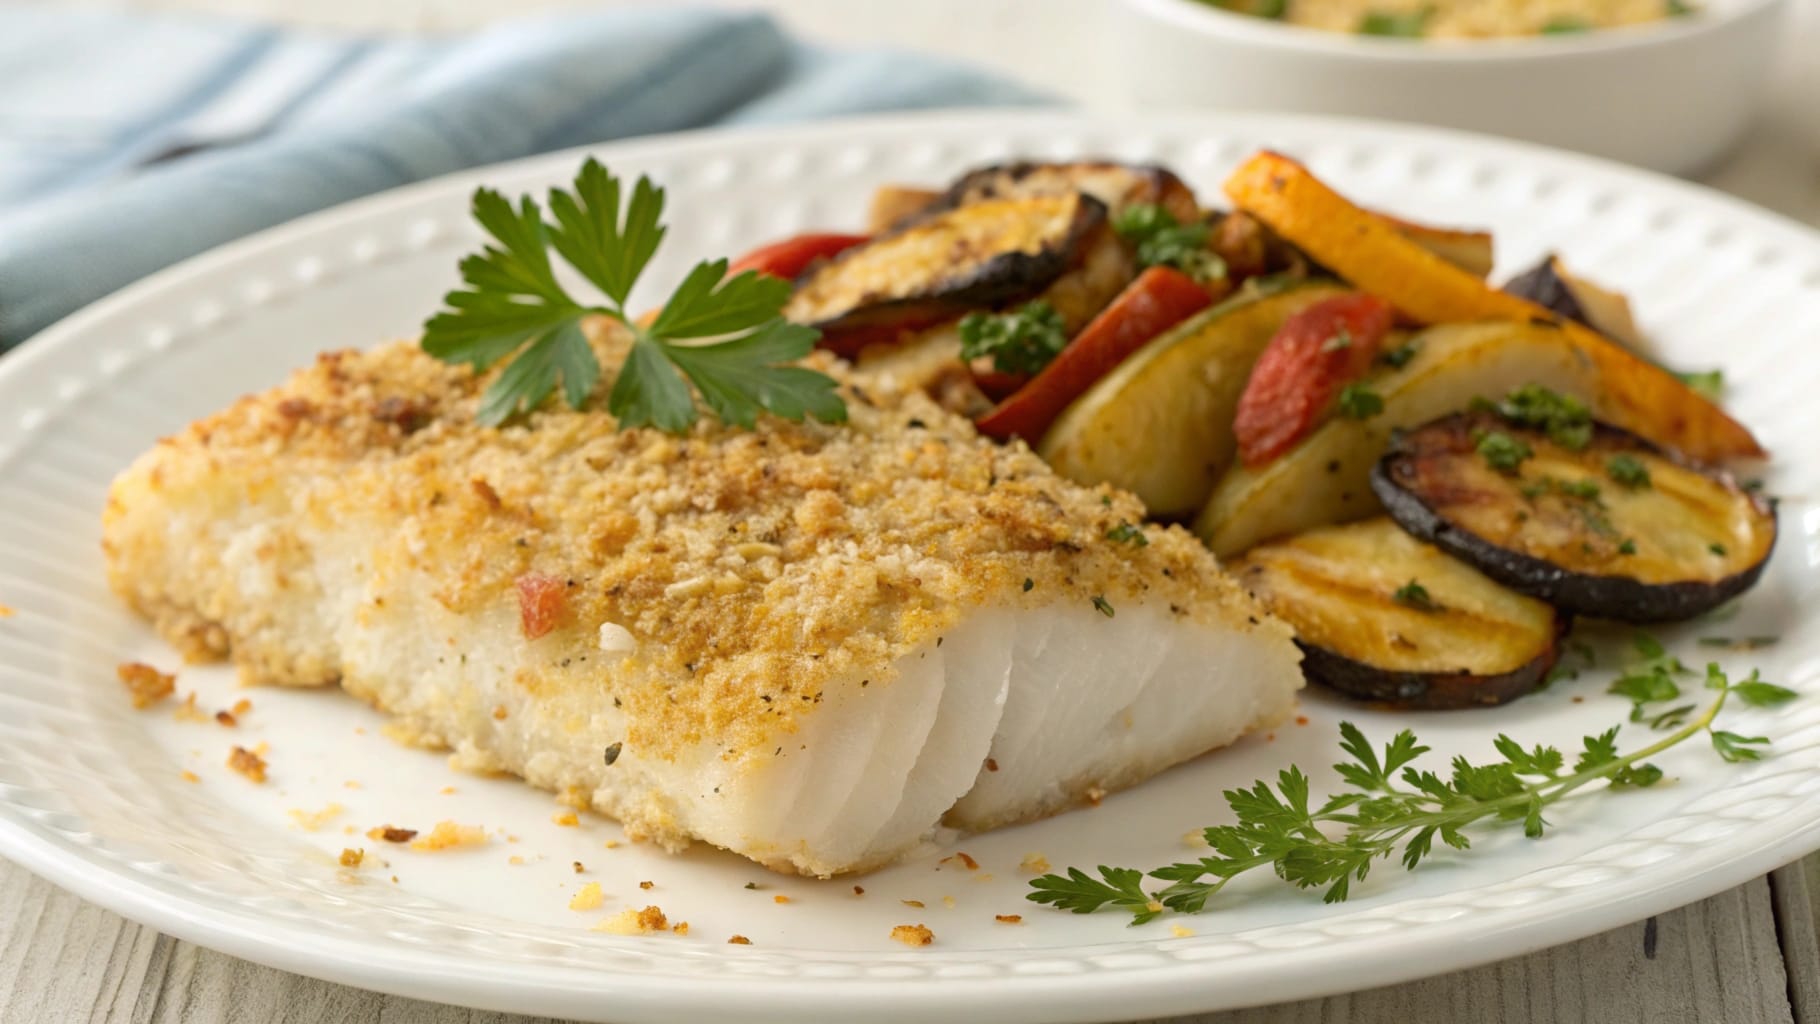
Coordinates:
<point>92,794</point>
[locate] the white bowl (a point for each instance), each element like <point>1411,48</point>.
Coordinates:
<point>1670,96</point>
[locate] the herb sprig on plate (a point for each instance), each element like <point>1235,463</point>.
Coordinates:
<point>721,338</point>
<point>1392,808</point>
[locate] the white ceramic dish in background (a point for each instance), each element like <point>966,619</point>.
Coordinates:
<point>1671,96</point>
<point>92,798</point>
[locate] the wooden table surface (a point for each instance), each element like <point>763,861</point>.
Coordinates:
<point>1747,956</point>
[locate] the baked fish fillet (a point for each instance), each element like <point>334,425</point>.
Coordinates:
<point>812,645</point>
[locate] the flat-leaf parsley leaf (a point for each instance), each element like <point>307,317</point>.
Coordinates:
<point>722,338</point>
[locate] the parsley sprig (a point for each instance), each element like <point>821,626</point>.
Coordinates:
<point>1392,808</point>
<point>1164,241</point>
<point>512,307</point>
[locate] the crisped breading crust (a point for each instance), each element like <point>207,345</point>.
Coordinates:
<point>754,569</point>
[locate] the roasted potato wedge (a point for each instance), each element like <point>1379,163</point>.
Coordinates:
<point>1615,528</point>
<point>1327,477</point>
<point>1114,184</point>
<point>1550,284</point>
<point>1383,616</point>
<point>1362,248</point>
<point>1160,424</point>
<point>983,254</point>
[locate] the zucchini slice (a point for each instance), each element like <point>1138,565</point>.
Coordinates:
<point>984,254</point>
<point>1115,185</point>
<point>1383,616</point>
<point>1614,527</point>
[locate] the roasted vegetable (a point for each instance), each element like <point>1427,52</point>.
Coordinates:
<point>1589,518</point>
<point>1469,249</point>
<point>984,254</point>
<point>1114,184</point>
<point>1160,425</point>
<point>1362,248</point>
<point>1327,477</point>
<point>1312,357</point>
<point>893,206</point>
<point>1159,299</point>
<point>1381,615</point>
<point>791,257</point>
<point>1551,285</point>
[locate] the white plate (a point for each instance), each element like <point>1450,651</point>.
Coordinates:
<point>91,794</point>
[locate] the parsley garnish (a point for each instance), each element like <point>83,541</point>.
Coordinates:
<point>1391,808</point>
<point>1023,340</point>
<point>1501,451</point>
<point>1708,383</point>
<point>1415,595</point>
<point>1163,241</point>
<point>1627,547</point>
<point>1401,24</point>
<point>1399,357</point>
<point>1565,25</point>
<point>1565,419</point>
<point>1341,340</point>
<point>1125,533</point>
<point>512,309</point>
<point>1359,402</point>
<point>1627,470</point>
<point>1104,606</point>
<point>1716,548</point>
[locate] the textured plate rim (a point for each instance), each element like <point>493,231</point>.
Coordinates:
<point>1172,988</point>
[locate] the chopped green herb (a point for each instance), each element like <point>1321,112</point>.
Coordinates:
<point>1398,24</point>
<point>1627,470</point>
<point>1565,25</point>
<point>1342,339</point>
<point>1028,584</point>
<point>1400,356</point>
<point>1104,606</point>
<point>1679,8</point>
<point>1390,808</point>
<point>1716,548</point>
<point>1125,533</point>
<point>1360,402</point>
<point>1565,419</point>
<point>1585,490</point>
<point>1023,340</point>
<point>1503,452</point>
<point>1628,547</point>
<point>1709,383</point>
<point>1272,9</point>
<point>1164,241</point>
<point>1415,595</point>
<point>512,309</point>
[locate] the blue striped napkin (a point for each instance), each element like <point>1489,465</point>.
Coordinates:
<point>129,142</point>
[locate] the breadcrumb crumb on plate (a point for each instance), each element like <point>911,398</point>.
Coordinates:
<point>647,921</point>
<point>6,612</point>
<point>247,763</point>
<point>588,897</point>
<point>391,833</point>
<point>352,857</point>
<point>310,821</point>
<point>913,934</point>
<point>449,835</point>
<point>145,684</point>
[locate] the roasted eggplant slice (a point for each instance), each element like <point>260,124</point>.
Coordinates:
<point>1114,184</point>
<point>1550,284</point>
<point>1596,521</point>
<point>1383,616</point>
<point>984,254</point>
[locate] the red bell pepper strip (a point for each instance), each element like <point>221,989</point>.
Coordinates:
<point>1315,354</point>
<point>1157,300</point>
<point>789,258</point>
